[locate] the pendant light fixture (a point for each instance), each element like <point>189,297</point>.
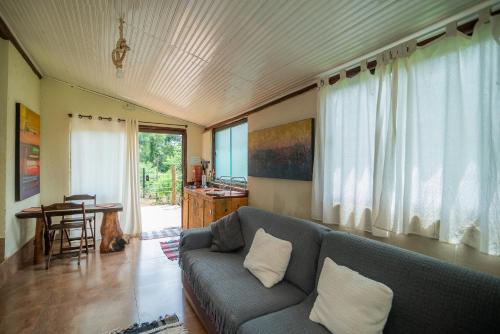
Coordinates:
<point>118,54</point>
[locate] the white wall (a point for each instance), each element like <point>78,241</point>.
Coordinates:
<point>22,86</point>
<point>289,197</point>
<point>59,99</point>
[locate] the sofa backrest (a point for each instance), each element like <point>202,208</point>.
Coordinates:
<point>430,296</point>
<point>305,238</point>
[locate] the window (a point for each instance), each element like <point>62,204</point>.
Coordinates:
<point>231,150</point>
<point>415,147</point>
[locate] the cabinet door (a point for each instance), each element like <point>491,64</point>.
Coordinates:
<point>222,207</point>
<point>191,211</point>
<point>198,212</point>
<point>237,202</point>
<point>209,212</point>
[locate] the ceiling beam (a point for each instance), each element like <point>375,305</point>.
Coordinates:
<point>6,34</point>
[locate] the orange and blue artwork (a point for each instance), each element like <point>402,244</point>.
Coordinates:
<point>27,152</point>
<point>284,152</point>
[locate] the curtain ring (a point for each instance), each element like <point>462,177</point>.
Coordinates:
<point>451,29</point>
<point>412,46</point>
<point>484,16</point>
<point>380,60</point>
<point>363,65</point>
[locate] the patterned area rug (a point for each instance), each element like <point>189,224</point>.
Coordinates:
<point>168,324</point>
<point>163,233</point>
<point>171,249</point>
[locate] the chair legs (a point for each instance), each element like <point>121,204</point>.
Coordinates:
<point>86,239</point>
<point>62,233</point>
<point>81,241</point>
<point>51,244</point>
<point>67,236</point>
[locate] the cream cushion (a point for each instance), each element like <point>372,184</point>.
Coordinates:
<point>348,302</point>
<point>268,258</point>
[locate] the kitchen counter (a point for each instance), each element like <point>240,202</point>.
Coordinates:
<point>202,206</point>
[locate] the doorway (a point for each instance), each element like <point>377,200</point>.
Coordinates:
<point>162,176</point>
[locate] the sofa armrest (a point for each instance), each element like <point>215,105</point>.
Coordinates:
<point>195,239</point>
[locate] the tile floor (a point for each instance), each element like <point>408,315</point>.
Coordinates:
<point>107,291</point>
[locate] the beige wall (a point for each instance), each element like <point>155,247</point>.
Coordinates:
<point>289,197</point>
<point>57,100</point>
<point>22,86</point>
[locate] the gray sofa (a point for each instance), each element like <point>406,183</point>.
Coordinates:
<point>430,296</point>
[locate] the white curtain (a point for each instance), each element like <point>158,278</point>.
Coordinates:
<point>345,151</point>
<point>131,200</point>
<point>435,170</point>
<point>103,159</point>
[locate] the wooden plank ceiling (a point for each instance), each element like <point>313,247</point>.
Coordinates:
<point>207,60</point>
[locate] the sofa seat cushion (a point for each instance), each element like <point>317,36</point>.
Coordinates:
<point>229,293</point>
<point>291,320</point>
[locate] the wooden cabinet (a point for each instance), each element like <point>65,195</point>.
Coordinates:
<point>200,209</point>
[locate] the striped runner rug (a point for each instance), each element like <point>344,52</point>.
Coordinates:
<point>167,232</point>
<point>171,249</point>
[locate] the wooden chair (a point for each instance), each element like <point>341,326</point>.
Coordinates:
<point>92,199</point>
<point>51,227</point>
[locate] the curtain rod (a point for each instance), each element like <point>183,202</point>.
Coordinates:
<point>466,28</point>
<point>109,118</point>
<point>332,73</point>
<point>101,118</point>
<point>115,98</point>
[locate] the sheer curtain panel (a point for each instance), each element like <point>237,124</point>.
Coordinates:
<point>131,200</point>
<point>104,162</point>
<point>416,147</point>
<point>343,170</point>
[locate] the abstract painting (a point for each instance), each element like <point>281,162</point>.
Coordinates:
<point>27,152</point>
<point>283,152</point>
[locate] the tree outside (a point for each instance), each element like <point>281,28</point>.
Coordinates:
<point>158,153</point>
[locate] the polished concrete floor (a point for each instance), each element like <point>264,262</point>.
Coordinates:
<point>107,291</point>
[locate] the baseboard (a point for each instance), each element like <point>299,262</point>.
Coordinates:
<point>11,265</point>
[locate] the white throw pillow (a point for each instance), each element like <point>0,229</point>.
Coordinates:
<point>348,302</point>
<point>268,258</point>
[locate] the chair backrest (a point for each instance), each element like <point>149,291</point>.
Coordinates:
<point>79,197</point>
<point>61,210</point>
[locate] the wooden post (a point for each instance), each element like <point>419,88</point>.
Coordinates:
<point>174,186</point>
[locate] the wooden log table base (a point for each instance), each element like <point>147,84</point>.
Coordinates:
<point>111,234</point>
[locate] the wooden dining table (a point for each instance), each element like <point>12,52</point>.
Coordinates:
<point>110,222</point>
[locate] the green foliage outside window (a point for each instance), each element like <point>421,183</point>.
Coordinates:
<point>157,154</point>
